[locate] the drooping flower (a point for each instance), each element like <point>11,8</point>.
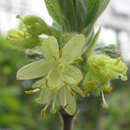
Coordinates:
<point>102,69</point>
<point>59,73</point>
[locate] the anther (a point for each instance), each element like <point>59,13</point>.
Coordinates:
<point>46,82</point>
<point>108,90</point>
<point>117,61</point>
<point>124,78</point>
<point>61,53</point>
<point>20,34</point>
<point>29,92</point>
<point>40,87</point>
<point>54,58</point>
<point>105,105</point>
<point>61,66</point>
<point>36,90</point>
<point>66,83</point>
<point>117,70</point>
<point>72,93</point>
<point>43,111</point>
<point>66,106</point>
<point>78,59</point>
<point>97,67</point>
<point>53,110</point>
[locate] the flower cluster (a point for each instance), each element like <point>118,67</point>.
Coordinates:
<point>27,35</point>
<point>102,69</point>
<point>61,77</point>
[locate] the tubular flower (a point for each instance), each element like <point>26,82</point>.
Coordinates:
<point>102,69</point>
<point>57,69</point>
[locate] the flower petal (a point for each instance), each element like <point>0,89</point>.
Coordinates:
<point>77,89</point>
<point>67,101</point>
<point>73,48</point>
<point>50,48</point>
<point>54,79</point>
<point>45,96</point>
<point>33,70</point>
<point>39,84</point>
<point>72,75</point>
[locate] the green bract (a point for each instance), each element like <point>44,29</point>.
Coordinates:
<point>102,69</point>
<point>58,71</point>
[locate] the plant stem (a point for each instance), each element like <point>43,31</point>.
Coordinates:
<point>67,120</point>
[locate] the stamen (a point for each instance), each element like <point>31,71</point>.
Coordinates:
<point>97,67</point>
<point>105,105</point>
<point>72,93</point>
<point>78,59</point>
<point>61,66</point>
<point>117,61</point>
<point>40,87</point>
<point>36,90</point>
<point>46,82</point>
<point>61,53</point>
<point>43,111</point>
<point>66,106</point>
<point>117,70</point>
<point>53,110</point>
<point>29,92</point>
<point>106,74</point>
<point>124,78</point>
<point>108,90</point>
<point>20,34</point>
<point>54,58</point>
<point>66,83</point>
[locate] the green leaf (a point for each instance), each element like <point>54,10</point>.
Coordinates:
<point>72,75</point>
<point>55,13</point>
<point>93,43</point>
<point>67,8</point>
<point>53,10</point>
<point>73,49</point>
<point>34,70</point>
<point>109,50</point>
<point>80,10</point>
<point>67,101</point>
<point>94,10</point>
<point>50,48</point>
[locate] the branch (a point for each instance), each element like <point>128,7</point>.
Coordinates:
<point>67,120</point>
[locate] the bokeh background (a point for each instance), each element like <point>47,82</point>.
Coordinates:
<point>20,112</point>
